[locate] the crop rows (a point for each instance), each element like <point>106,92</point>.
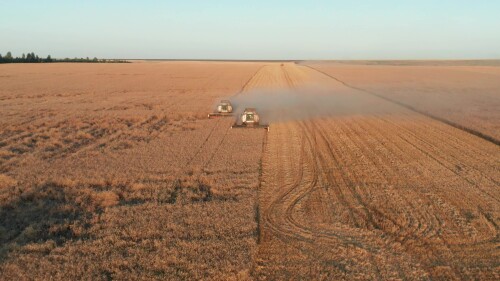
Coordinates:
<point>378,196</point>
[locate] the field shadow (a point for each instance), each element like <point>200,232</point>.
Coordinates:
<point>45,213</point>
<point>39,218</point>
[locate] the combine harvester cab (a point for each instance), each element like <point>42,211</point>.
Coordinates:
<point>224,108</point>
<point>250,119</point>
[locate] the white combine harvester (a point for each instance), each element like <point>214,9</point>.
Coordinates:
<point>224,108</point>
<point>249,119</point>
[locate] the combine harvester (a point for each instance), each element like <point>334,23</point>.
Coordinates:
<point>249,119</point>
<point>224,108</point>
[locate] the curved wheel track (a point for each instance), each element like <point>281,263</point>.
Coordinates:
<point>359,197</point>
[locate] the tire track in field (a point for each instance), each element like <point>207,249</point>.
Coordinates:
<point>445,148</point>
<point>384,166</point>
<point>305,235</point>
<point>404,233</point>
<point>200,148</point>
<point>407,106</point>
<point>454,236</point>
<point>216,150</point>
<point>446,165</point>
<point>215,128</point>
<point>280,216</point>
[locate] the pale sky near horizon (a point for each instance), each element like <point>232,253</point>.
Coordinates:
<point>197,29</point>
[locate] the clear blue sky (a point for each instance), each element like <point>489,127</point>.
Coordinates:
<point>203,29</point>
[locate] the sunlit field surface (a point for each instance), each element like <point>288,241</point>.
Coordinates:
<point>114,171</point>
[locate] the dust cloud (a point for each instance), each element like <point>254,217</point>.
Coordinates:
<point>275,105</point>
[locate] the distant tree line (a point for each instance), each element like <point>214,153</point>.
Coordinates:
<point>32,58</point>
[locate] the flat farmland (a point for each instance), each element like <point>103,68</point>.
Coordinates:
<point>390,194</point>
<point>114,172</point>
<point>465,94</point>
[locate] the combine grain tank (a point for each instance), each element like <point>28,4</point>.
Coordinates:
<point>249,119</point>
<point>224,108</point>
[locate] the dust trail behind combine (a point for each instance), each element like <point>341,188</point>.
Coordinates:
<point>305,102</point>
<point>372,193</point>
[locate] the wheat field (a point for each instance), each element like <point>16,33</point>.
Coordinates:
<point>114,172</point>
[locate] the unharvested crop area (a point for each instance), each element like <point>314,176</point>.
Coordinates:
<point>114,172</point>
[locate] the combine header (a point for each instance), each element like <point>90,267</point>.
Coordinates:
<point>224,108</point>
<point>249,119</point>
